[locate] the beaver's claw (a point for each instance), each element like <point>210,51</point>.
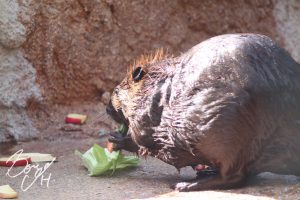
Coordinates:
<point>122,142</point>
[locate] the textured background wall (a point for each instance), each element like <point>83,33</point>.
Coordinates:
<point>287,17</point>
<point>17,76</point>
<point>55,52</point>
<point>81,48</point>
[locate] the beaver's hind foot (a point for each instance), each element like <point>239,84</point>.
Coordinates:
<point>211,182</point>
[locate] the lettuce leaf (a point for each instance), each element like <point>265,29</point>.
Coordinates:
<point>99,160</point>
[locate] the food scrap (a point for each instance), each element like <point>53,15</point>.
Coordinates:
<point>110,146</point>
<point>123,129</point>
<point>75,118</point>
<point>99,160</point>
<point>25,159</point>
<point>16,161</point>
<point>6,192</point>
<point>40,157</point>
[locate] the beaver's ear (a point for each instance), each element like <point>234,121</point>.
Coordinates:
<point>138,74</point>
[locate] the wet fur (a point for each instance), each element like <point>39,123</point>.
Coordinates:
<point>232,102</point>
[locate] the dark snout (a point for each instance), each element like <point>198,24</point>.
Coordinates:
<point>116,115</point>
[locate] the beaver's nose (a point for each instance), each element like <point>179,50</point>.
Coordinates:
<point>110,109</point>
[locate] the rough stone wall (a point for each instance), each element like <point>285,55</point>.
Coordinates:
<point>74,51</point>
<point>81,48</point>
<point>17,76</point>
<point>287,17</point>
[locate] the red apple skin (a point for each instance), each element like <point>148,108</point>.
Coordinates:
<point>17,163</point>
<point>72,120</point>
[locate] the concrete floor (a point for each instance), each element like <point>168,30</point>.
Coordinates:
<point>151,180</point>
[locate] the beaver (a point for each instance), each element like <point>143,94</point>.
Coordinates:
<point>231,102</point>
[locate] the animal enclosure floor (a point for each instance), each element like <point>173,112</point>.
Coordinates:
<point>68,178</point>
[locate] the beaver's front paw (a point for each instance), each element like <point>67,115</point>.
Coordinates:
<point>118,140</point>
<point>122,142</point>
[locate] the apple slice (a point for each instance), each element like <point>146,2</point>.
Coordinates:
<point>6,192</point>
<point>15,161</point>
<point>110,146</point>
<point>75,118</point>
<point>40,157</point>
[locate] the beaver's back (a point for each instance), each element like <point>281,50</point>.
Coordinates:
<point>250,61</point>
<point>238,97</point>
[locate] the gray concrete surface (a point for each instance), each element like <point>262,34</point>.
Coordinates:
<point>151,180</point>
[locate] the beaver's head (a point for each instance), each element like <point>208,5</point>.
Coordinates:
<point>122,103</point>
<point>132,92</point>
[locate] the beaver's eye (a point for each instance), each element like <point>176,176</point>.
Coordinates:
<point>138,74</point>
<point>116,91</point>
